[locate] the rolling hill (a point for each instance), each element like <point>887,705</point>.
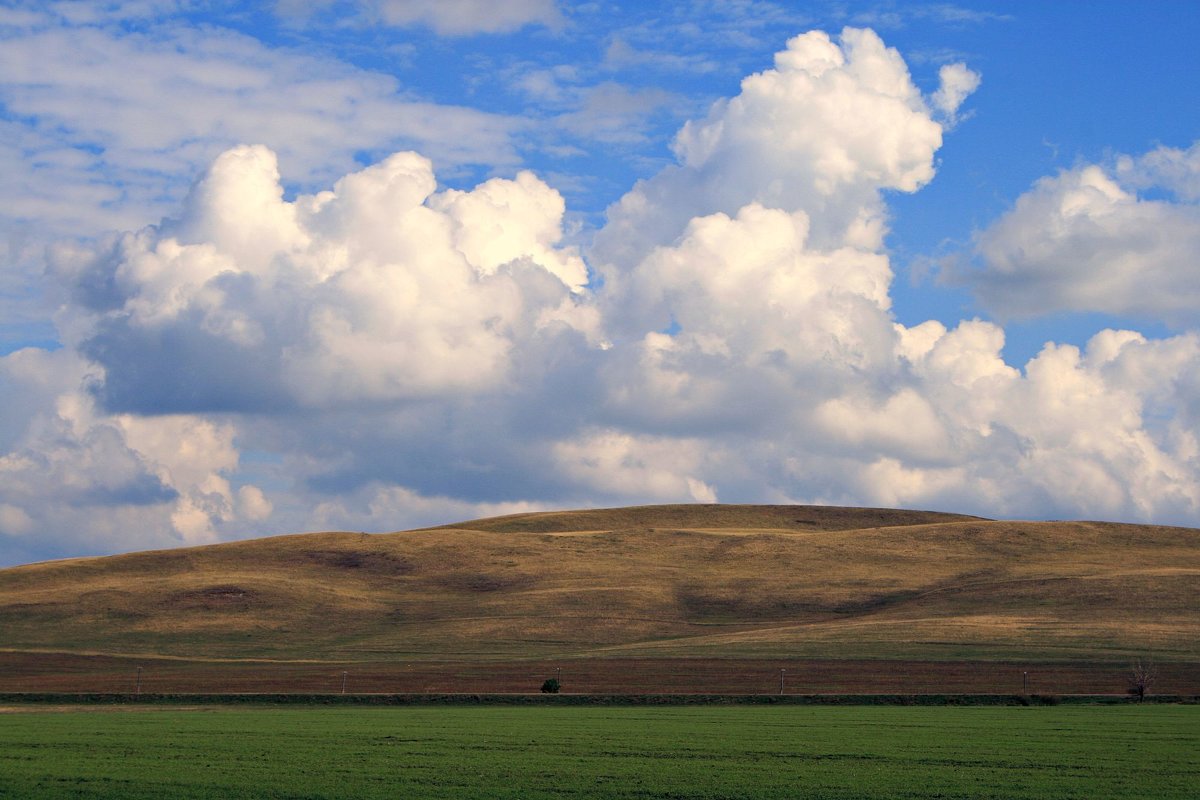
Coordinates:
<point>659,582</point>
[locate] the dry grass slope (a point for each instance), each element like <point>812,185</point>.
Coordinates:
<point>660,581</point>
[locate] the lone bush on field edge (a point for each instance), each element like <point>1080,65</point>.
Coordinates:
<point>1142,675</point>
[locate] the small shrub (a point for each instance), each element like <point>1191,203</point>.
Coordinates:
<point>1142,675</point>
<point>550,686</point>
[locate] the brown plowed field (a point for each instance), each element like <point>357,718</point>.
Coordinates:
<point>59,672</point>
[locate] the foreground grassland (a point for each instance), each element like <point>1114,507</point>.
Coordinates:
<point>529,753</point>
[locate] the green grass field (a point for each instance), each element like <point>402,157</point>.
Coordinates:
<point>697,752</point>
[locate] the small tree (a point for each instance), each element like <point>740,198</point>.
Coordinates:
<point>550,686</point>
<point>1142,675</point>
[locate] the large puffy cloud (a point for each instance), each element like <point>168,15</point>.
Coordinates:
<point>1084,240</point>
<point>823,132</point>
<point>773,293</point>
<point>378,290</point>
<point>1108,431</point>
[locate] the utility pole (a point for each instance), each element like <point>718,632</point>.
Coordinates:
<point>781,671</point>
<point>138,688</point>
<point>344,673</point>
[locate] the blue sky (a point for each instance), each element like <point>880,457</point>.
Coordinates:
<point>935,255</point>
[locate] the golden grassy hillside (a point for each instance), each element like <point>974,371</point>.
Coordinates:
<point>661,581</point>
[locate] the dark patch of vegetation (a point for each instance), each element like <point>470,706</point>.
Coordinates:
<point>483,582</point>
<point>363,560</point>
<point>225,597</point>
<point>126,614</point>
<point>752,602</point>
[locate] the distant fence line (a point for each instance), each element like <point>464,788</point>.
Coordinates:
<point>106,675</point>
<point>509,699</point>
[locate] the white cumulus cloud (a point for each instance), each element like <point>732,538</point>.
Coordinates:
<point>380,289</point>
<point>1086,240</point>
<point>832,124</point>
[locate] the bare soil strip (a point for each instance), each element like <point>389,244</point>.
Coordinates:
<point>65,672</point>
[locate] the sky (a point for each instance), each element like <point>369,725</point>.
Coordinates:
<point>377,264</point>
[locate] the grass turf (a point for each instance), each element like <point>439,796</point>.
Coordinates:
<point>698,752</point>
